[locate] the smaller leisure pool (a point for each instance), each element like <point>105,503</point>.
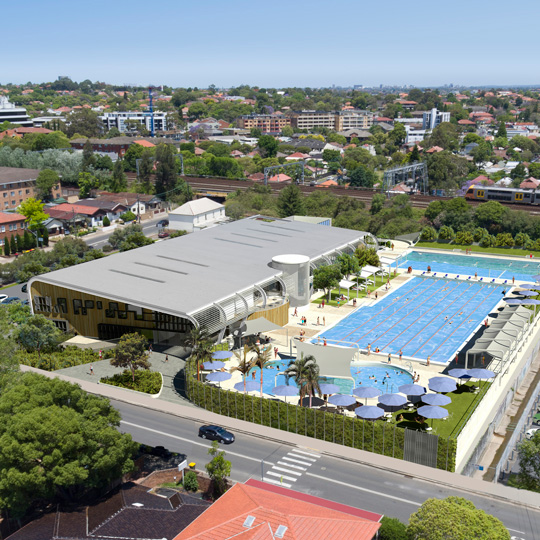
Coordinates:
<point>387,378</point>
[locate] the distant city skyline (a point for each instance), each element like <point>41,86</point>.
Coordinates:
<point>304,44</point>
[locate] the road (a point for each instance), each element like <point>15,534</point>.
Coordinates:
<point>306,470</point>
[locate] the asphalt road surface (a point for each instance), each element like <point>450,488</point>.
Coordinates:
<point>305,470</point>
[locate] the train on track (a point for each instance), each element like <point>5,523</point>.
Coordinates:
<point>503,194</point>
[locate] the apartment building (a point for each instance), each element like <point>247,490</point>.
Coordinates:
<point>18,185</point>
<point>119,120</point>
<point>267,123</point>
<point>13,114</point>
<point>337,121</point>
<point>431,119</point>
<point>11,224</point>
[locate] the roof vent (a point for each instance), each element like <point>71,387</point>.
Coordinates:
<point>138,505</point>
<point>281,530</point>
<point>249,521</point>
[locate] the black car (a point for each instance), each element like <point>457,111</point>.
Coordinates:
<point>216,433</point>
<point>24,288</point>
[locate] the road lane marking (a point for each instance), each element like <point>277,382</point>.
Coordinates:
<point>297,461</point>
<point>292,454</point>
<point>290,478</point>
<point>275,468</point>
<point>291,465</point>
<point>229,453</point>
<point>306,453</point>
<point>328,479</point>
<point>277,482</point>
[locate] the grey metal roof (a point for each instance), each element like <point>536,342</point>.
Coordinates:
<point>183,275</point>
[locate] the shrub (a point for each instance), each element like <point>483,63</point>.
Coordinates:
<point>128,216</point>
<point>428,234</point>
<point>464,238</point>
<point>479,233</point>
<point>146,381</point>
<point>190,481</point>
<point>106,221</point>
<point>487,241</point>
<point>175,234</point>
<point>392,529</point>
<point>504,240</point>
<point>446,233</point>
<point>107,248</point>
<point>59,359</point>
<point>522,239</point>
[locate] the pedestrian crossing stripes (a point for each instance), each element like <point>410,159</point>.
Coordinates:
<point>291,467</point>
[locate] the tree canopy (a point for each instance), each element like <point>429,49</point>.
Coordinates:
<point>131,353</point>
<point>56,443</point>
<point>46,180</point>
<point>290,201</point>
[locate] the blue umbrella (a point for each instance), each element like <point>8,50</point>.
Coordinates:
<point>218,376</point>
<point>341,400</point>
<point>250,386</point>
<point>213,365</point>
<point>369,412</point>
<point>442,384</point>
<point>221,355</point>
<point>514,301</point>
<point>532,286</point>
<point>432,411</point>
<point>527,293</point>
<point>412,389</point>
<point>392,400</point>
<point>481,373</point>
<point>436,399</point>
<point>284,390</point>
<point>328,388</point>
<point>459,373</point>
<point>530,302</point>
<point>366,392</point>
<point>536,278</point>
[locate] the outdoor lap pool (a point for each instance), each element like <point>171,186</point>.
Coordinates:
<point>467,265</point>
<point>424,317</point>
<point>385,378</point>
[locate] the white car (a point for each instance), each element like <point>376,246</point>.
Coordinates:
<point>3,297</point>
<point>530,432</point>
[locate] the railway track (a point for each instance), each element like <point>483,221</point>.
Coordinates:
<point>228,185</point>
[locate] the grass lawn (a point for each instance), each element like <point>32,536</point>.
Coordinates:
<point>463,403</point>
<point>379,282</point>
<point>478,249</point>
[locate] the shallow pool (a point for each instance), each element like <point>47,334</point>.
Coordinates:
<point>468,265</point>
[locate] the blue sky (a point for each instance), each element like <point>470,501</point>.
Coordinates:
<point>272,43</point>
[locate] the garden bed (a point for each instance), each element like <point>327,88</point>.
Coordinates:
<point>148,382</point>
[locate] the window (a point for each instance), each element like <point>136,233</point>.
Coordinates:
<point>27,191</point>
<point>61,325</point>
<point>43,303</point>
<point>13,194</point>
<point>61,304</point>
<point>20,191</point>
<point>519,196</point>
<point>89,304</point>
<point>99,305</point>
<point>3,229</point>
<point>5,194</point>
<point>77,306</point>
<point>480,193</point>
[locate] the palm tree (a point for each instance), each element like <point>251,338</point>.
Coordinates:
<point>305,372</point>
<point>244,364</point>
<point>262,358</point>
<point>199,341</point>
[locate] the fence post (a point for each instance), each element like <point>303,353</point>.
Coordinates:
<point>296,425</point>
<point>334,429</point>
<point>228,411</point>
<point>324,426</point>
<point>305,421</point>
<point>235,406</point>
<point>278,418</point>
<point>343,439</point>
<point>394,442</point>
<point>252,411</point>
<point>447,445</point>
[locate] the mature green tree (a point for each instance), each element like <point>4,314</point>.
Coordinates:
<point>290,201</point>
<point>218,469</point>
<point>146,168</point>
<point>327,278</point>
<point>84,122</point>
<point>13,245</point>
<point>446,170</point>
<point>134,241</point>
<point>305,372</point>
<point>131,353</point>
<point>377,203</point>
<point>263,358</point>
<point>367,256</point>
<point>37,334</point>
<point>32,210</point>
<point>28,240</point>
<point>398,134</point>
<point>445,135</point>
<point>198,110</point>
<point>362,177</point>
<point>392,529</point>
<point>490,215</point>
<point>118,179</point>
<point>166,171</point>
<point>529,463</point>
<point>331,155</point>
<point>287,131</point>
<point>348,264</point>
<point>198,340</point>
<point>454,518</point>
<point>89,159</point>
<point>268,146</point>
<point>414,155</point>
<point>46,180</point>
<point>501,132</point>
<point>57,443</point>
<point>7,250</point>
<point>86,182</point>
<point>133,153</point>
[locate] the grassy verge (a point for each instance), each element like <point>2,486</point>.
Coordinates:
<point>464,401</point>
<point>478,249</point>
<point>379,282</point>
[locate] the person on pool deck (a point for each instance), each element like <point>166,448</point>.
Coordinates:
<point>324,342</point>
<point>475,275</point>
<point>369,349</point>
<point>428,360</point>
<point>377,349</point>
<point>400,354</point>
<point>429,269</point>
<point>389,358</point>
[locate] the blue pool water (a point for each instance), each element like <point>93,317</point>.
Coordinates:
<point>386,378</point>
<point>467,265</point>
<point>424,317</point>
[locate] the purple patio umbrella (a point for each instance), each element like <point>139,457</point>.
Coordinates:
<point>218,376</point>
<point>251,386</point>
<point>392,400</point>
<point>531,286</point>
<point>366,392</point>
<point>369,412</point>
<point>481,373</point>
<point>329,388</point>
<point>459,373</point>
<point>442,384</point>
<point>527,293</point>
<point>213,365</point>
<point>514,301</point>
<point>536,278</point>
<point>432,411</point>
<point>412,390</point>
<point>341,400</point>
<point>221,355</point>
<point>285,390</point>
<point>436,399</point>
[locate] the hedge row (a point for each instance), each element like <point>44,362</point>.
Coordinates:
<point>146,381</point>
<point>378,437</point>
<point>63,358</point>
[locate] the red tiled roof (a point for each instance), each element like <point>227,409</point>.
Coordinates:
<point>146,144</point>
<point>466,122</point>
<point>10,217</point>
<point>279,178</point>
<point>304,517</point>
<point>434,149</point>
<point>77,208</point>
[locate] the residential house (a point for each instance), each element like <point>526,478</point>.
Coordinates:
<point>297,156</point>
<point>266,512</point>
<point>11,224</point>
<point>116,145</point>
<point>530,183</point>
<point>196,215</point>
<point>75,214</point>
<point>132,512</point>
<point>279,178</point>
